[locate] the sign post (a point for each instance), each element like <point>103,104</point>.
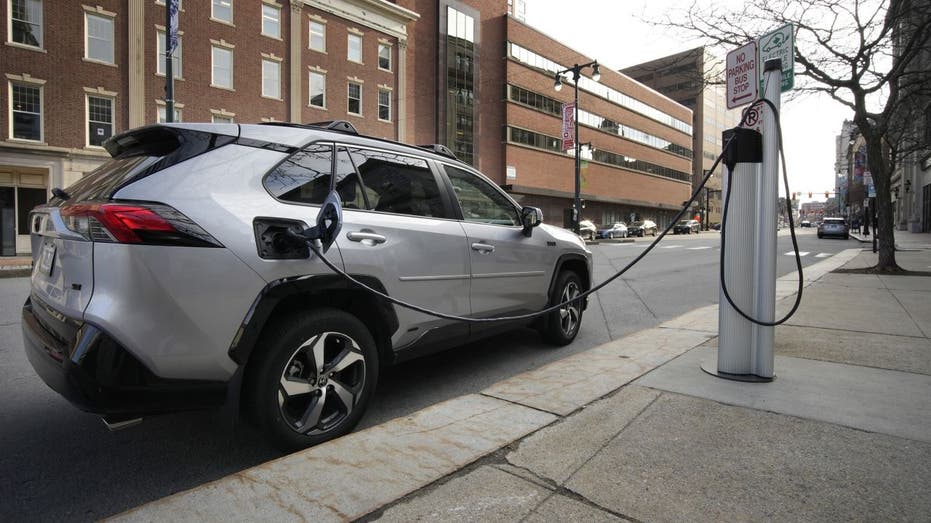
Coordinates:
<point>742,83</point>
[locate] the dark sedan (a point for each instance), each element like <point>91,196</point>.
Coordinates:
<point>687,227</point>
<point>834,227</point>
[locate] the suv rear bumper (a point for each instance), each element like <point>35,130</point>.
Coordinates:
<point>92,371</point>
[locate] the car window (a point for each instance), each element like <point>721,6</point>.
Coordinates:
<point>304,177</point>
<point>398,184</point>
<point>480,202</point>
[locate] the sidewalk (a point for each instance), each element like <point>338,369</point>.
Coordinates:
<point>635,430</point>
<point>15,266</point>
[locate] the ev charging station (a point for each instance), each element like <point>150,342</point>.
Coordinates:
<point>745,347</point>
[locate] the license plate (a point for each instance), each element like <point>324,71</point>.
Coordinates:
<point>47,260</point>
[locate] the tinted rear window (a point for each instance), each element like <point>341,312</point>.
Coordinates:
<point>102,182</point>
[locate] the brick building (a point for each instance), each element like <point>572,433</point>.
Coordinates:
<point>467,74</point>
<point>693,79</point>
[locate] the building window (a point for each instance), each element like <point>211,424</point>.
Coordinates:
<point>318,36</point>
<point>99,41</point>
<point>221,119</point>
<point>384,57</point>
<point>354,105</point>
<point>26,22</point>
<point>162,111</point>
<point>384,104</point>
<point>222,10</point>
<point>460,84</point>
<point>160,56</point>
<point>271,79</point>
<point>27,112</point>
<point>99,120</point>
<point>354,51</point>
<point>222,74</point>
<point>271,21</point>
<point>317,90</point>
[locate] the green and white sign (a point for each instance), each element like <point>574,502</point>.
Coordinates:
<point>778,44</point>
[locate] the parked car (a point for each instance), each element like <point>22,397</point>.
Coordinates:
<point>643,228</point>
<point>834,227</point>
<point>175,276</point>
<point>805,223</point>
<point>618,230</point>
<point>715,227</point>
<point>687,227</point>
<point>587,230</point>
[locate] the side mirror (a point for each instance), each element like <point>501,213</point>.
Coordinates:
<point>530,217</point>
<point>329,222</point>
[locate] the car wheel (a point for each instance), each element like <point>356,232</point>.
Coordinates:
<point>611,235</point>
<point>846,236</point>
<point>654,232</point>
<point>820,236</point>
<point>563,324</point>
<point>314,378</point>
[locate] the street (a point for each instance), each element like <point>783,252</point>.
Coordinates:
<point>61,464</point>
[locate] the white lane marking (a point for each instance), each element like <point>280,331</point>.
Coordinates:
<point>823,255</point>
<point>671,247</point>
<point>801,253</point>
<point>699,248</point>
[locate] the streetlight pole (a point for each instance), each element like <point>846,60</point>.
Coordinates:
<point>576,71</point>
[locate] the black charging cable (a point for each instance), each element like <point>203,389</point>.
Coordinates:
<point>315,246</point>
<point>727,197</point>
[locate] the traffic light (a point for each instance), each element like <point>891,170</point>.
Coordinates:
<point>809,194</point>
<point>826,193</point>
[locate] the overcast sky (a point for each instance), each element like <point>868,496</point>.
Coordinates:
<point>612,32</point>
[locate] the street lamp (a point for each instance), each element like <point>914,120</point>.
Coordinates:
<point>576,71</point>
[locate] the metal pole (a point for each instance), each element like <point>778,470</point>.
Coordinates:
<point>169,74</point>
<point>578,161</point>
<point>765,251</point>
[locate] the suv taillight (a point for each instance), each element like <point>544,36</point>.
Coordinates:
<point>150,224</point>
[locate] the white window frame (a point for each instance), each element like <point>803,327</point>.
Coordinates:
<point>310,35</point>
<point>310,88</point>
<point>277,68</point>
<point>216,118</point>
<point>213,12</point>
<point>163,111</point>
<point>87,37</point>
<point>388,92</point>
<point>382,46</point>
<point>349,97</point>
<point>87,117</point>
<point>177,62</point>
<point>41,89</point>
<point>277,20</point>
<point>40,23</point>
<point>213,67</point>
<point>349,39</point>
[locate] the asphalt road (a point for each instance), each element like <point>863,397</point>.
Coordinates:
<point>59,463</point>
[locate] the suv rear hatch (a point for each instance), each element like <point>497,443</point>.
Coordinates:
<point>63,231</point>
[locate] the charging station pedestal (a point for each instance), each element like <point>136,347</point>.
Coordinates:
<point>745,349</point>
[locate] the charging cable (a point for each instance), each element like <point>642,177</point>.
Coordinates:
<point>316,247</point>
<point>727,197</point>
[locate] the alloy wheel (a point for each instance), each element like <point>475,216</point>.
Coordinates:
<point>322,382</point>
<point>570,313</point>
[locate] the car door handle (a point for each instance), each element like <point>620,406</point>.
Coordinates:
<point>373,238</point>
<point>483,248</point>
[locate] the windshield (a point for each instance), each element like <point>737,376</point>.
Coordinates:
<point>637,224</point>
<point>685,222</point>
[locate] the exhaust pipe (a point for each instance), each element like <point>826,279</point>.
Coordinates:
<point>115,423</point>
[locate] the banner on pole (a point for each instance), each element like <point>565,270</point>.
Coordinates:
<point>568,126</point>
<point>172,7</point>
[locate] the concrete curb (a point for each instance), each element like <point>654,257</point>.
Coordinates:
<point>357,474</point>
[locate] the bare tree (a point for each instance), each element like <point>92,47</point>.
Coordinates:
<point>865,54</point>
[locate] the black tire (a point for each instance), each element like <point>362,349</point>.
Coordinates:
<point>562,325</point>
<point>290,348</point>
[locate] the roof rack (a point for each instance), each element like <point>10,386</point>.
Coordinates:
<point>439,149</point>
<point>340,126</point>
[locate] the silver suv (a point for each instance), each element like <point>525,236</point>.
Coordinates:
<point>170,278</point>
